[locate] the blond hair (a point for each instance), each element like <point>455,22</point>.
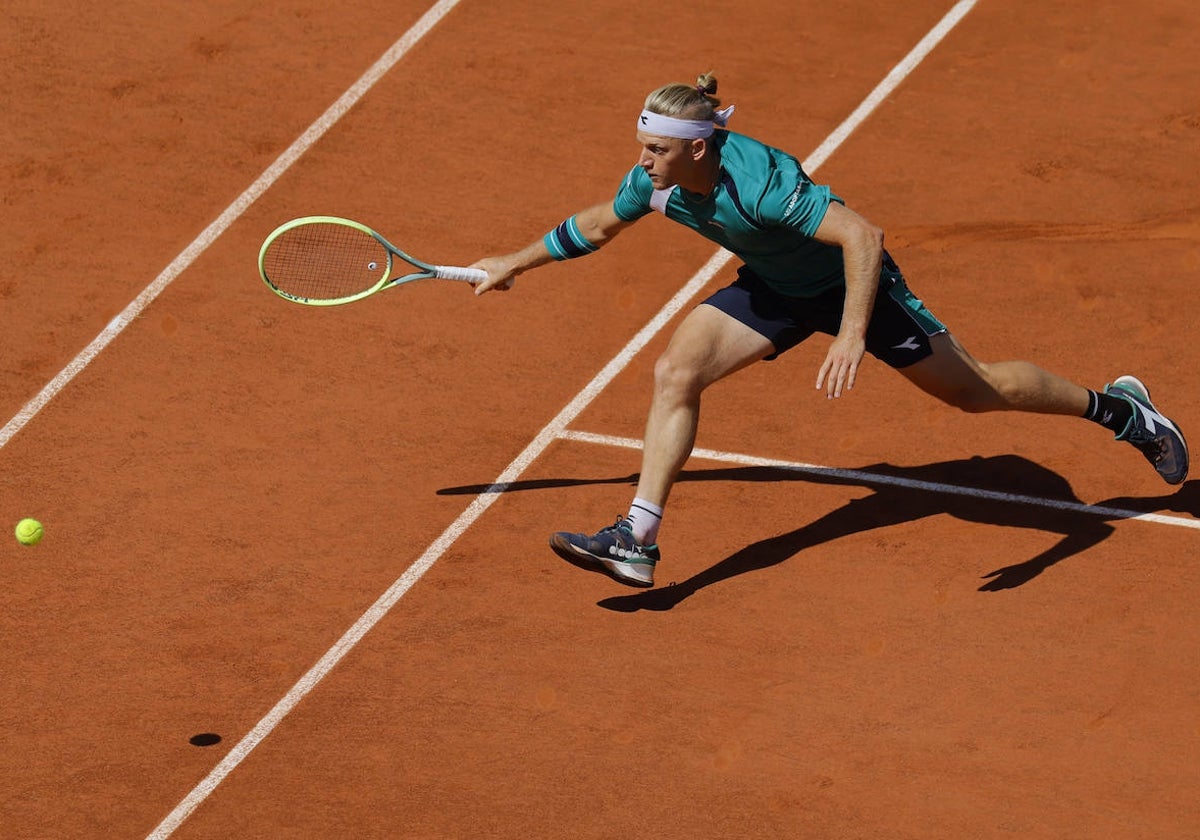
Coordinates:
<point>689,102</point>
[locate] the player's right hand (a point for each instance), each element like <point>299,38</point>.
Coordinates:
<point>500,275</point>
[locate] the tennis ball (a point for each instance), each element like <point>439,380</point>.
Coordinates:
<point>29,532</point>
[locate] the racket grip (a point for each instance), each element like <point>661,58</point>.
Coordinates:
<point>453,272</point>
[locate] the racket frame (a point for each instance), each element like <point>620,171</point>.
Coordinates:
<point>424,271</point>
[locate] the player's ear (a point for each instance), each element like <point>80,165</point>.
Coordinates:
<point>699,149</point>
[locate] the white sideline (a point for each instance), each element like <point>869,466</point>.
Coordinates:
<point>865,477</point>
<point>553,430</point>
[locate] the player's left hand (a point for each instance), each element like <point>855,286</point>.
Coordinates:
<point>838,372</point>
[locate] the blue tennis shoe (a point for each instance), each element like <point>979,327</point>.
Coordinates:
<point>1157,437</point>
<point>613,550</point>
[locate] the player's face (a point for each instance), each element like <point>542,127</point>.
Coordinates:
<point>667,160</point>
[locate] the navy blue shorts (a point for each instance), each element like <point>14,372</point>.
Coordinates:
<point>897,334</point>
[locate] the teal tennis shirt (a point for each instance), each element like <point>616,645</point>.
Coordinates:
<point>765,210</point>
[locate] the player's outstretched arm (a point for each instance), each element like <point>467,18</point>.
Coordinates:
<point>576,236</point>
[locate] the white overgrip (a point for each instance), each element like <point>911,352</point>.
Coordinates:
<point>453,272</point>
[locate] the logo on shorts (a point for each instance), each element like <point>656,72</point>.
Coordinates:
<point>909,343</point>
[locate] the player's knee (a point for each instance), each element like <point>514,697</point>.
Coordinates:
<point>675,376</point>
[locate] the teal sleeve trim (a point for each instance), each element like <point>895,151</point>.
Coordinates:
<point>566,241</point>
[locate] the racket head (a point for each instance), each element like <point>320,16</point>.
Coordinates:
<point>324,261</point>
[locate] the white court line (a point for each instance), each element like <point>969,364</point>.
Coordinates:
<point>553,431</point>
<point>864,477</point>
<point>240,205</point>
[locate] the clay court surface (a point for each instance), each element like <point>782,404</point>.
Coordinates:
<point>320,535</point>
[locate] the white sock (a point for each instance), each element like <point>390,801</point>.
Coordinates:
<point>645,517</point>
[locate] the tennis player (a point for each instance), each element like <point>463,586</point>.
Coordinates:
<point>810,264</point>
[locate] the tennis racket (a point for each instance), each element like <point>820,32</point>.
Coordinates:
<point>325,261</point>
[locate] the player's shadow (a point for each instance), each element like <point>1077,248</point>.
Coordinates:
<point>1080,530</point>
<point>905,494</point>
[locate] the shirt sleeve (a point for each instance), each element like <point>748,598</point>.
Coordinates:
<point>633,196</point>
<point>792,200</point>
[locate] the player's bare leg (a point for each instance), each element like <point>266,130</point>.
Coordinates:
<point>954,376</point>
<point>708,346</point>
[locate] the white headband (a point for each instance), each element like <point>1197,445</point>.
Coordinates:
<point>663,126</point>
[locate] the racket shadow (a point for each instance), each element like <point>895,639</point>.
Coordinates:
<point>533,484</point>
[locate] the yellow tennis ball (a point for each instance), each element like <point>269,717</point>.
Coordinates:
<point>29,532</point>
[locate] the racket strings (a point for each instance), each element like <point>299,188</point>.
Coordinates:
<point>325,261</point>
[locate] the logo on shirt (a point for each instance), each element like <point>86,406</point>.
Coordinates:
<point>792,202</point>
